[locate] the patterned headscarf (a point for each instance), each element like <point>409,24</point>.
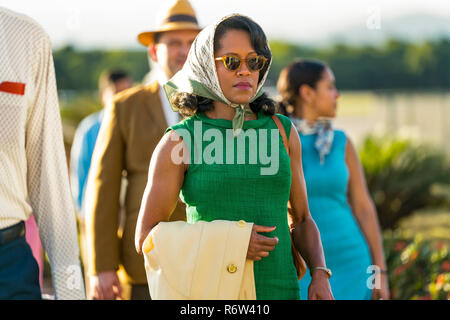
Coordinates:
<point>323,128</point>
<point>199,76</point>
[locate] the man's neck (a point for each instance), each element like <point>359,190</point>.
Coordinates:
<point>157,74</point>
<point>162,77</point>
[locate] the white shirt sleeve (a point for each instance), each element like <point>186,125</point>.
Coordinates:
<point>47,176</point>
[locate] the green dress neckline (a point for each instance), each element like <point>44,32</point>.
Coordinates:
<point>261,121</point>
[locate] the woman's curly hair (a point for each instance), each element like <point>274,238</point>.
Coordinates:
<point>189,104</point>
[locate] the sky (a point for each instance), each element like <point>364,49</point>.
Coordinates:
<point>115,24</point>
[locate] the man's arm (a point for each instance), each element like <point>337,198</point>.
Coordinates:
<point>47,176</point>
<point>102,195</point>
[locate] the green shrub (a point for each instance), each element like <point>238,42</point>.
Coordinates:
<point>418,269</point>
<point>403,177</point>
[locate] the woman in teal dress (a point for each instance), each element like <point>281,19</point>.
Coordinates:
<point>337,193</point>
<point>227,160</point>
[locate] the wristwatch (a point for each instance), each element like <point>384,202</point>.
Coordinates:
<point>328,271</point>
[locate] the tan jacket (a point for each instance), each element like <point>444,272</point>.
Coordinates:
<point>200,261</point>
<point>131,129</point>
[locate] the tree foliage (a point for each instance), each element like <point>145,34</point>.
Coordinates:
<point>395,65</point>
<point>80,70</point>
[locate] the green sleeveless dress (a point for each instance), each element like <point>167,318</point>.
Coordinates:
<point>243,178</point>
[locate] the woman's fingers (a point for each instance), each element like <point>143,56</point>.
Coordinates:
<point>260,245</point>
<point>266,241</point>
<point>259,228</point>
<point>265,248</point>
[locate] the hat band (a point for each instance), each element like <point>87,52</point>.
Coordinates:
<point>181,18</point>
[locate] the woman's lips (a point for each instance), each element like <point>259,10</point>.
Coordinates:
<point>243,85</point>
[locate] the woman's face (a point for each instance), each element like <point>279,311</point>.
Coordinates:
<point>326,95</point>
<point>238,86</point>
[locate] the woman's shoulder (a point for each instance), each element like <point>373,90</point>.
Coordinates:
<point>340,134</point>
<point>284,119</point>
<point>186,124</point>
<point>286,122</point>
<point>341,138</point>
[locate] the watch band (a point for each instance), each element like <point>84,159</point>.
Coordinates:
<point>328,271</point>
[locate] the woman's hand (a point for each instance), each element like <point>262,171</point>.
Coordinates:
<point>381,293</point>
<point>259,245</point>
<point>319,288</point>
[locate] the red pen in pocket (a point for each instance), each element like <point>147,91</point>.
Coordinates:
<point>13,87</point>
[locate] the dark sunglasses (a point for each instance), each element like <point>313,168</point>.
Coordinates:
<point>233,62</point>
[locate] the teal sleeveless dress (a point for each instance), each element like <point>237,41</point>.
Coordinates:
<point>346,251</point>
<point>222,184</point>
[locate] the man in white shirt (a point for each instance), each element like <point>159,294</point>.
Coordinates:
<point>33,168</point>
<point>132,127</point>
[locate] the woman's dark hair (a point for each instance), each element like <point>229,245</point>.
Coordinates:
<point>189,104</point>
<point>292,77</point>
<point>111,77</point>
<point>257,36</point>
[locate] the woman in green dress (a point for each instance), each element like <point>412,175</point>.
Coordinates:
<point>226,160</point>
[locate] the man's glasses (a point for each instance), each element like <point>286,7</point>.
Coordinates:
<point>233,62</point>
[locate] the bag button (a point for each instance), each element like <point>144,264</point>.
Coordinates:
<point>241,223</point>
<point>231,268</point>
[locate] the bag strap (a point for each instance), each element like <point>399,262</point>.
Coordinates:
<point>282,132</point>
<point>299,262</point>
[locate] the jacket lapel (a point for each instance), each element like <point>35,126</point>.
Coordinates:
<point>155,107</point>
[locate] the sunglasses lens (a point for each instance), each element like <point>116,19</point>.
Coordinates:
<point>232,63</point>
<point>256,63</point>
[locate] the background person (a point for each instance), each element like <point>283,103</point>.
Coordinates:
<point>110,82</point>
<point>130,131</point>
<point>337,192</point>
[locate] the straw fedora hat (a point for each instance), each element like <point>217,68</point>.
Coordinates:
<point>179,16</point>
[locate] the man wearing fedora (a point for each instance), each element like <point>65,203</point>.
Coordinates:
<point>132,126</point>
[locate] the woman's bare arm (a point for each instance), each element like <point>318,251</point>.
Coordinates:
<point>364,211</point>
<point>306,235</point>
<point>362,205</point>
<point>165,179</point>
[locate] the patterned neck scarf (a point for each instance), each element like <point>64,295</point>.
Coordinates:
<point>199,76</point>
<point>323,127</point>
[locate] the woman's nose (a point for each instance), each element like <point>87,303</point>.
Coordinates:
<point>243,69</point>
